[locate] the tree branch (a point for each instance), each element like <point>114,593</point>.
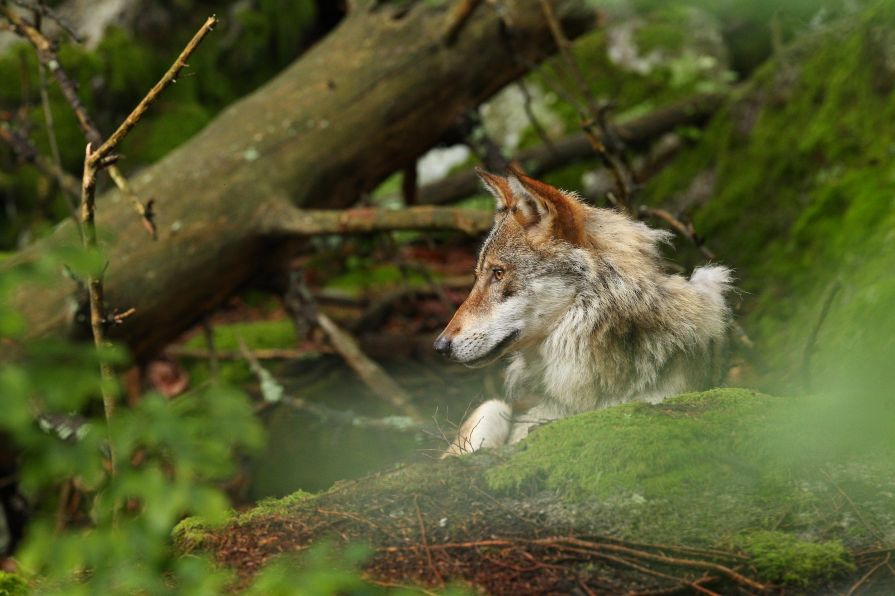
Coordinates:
<point>577,147</point>
<point>169,77</point>
<point>372,374</point>
<point>305,222</point>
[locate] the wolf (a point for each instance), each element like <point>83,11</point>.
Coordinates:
<point>578,301</point>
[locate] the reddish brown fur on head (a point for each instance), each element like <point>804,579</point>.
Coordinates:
<point>544,211</point>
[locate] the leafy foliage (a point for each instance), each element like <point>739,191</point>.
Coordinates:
<point>171,454</point>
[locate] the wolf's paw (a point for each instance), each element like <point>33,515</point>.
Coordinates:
<point>488,426</point>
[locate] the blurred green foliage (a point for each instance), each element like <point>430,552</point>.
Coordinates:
<point>802,199</point>
<point>186,447</point>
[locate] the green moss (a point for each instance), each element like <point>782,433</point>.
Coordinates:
<point>274,507</point>
<point>684,434</point>
<point>780,557</point>
<point>803,194</point>
<point>12,585</point>
<point>190,534</point>
<point>701,467</point>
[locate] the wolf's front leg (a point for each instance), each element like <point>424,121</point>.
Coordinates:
<point>488,426</point>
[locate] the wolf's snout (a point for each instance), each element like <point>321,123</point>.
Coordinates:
<point>442,344</point>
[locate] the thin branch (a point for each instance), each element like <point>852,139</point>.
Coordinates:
<point>373,375</point>
<point>527,106</point>
<point>46,53</point>
<point>54,144</point>
<point>673,561</point>
<point>424,539</point>
<point>323,413</point>
<point>681,228</point>
<point>857,585</point>
<point>301,222</point>
<point>146,212</point>
<point>169,77</point>
<point>24,150</point>
<point>95,289</point>
<point>593,122</point>
<point>811,344</point>
<point>260,354</point>
<point>47,12</point>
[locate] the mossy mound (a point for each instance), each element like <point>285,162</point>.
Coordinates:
<point>652,497</point>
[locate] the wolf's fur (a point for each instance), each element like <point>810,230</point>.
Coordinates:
<point>578,300</point>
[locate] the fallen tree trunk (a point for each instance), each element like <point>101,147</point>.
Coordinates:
<point>370,98</point>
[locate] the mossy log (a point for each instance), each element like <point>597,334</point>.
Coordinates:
<point>718,491</point>
<point>366,101</point>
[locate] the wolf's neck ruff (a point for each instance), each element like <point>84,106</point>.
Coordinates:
<point>579,300</point>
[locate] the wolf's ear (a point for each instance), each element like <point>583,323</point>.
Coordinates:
<point>497,186</point>
<point>545,211</point>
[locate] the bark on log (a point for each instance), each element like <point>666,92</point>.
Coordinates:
<point>576,147</point>
<point>368,99</point>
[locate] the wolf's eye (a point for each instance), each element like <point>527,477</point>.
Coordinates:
<point>497,273</point>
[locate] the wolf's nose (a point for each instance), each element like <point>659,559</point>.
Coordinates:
<point>442,344</point>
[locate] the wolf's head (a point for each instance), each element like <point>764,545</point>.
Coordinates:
<point>528,271</point>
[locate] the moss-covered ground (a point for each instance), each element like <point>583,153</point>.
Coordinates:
<point>726,475</point>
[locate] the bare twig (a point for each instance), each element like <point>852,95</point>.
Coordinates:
<point>47,12</point>
<point>46,53</point>
<point>29,153</point>
<point>681,228</point>
<point>424,538</point>
<point>527,102</point>
<point>59,172</point>
<point>593,122</point>
<point>811,344</point>
<point>260,354</point>
<point>576,147</point>
<point>94,161</point>
<point>325,414</point>
<point>371,373</point>
<point>863,579</point>
<point>95,289</point>
<point>169,77</point>
<point>872,529</point>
